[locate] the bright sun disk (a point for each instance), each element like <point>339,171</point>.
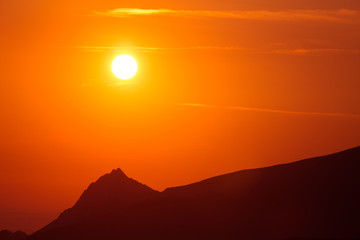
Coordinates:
<point>124,67</point>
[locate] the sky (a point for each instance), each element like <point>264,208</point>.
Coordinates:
<point>221,86</point>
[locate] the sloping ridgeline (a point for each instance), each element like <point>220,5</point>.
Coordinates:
<point>316,198</point>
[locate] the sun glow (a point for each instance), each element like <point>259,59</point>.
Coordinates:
<point>124,67</point>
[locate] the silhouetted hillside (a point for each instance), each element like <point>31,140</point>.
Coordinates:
<point>7,235</point>
<point>316,198</point>
<point>111,191</point>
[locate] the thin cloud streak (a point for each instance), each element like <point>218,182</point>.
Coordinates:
<point>305,51</point>
<point>340,15</point>
<point>286,51</point>
<point>159,49</point>
<point>348,115</point>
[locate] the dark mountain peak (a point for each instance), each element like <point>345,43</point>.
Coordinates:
<point>114,188</point>
<point>115,177</point>
<point>110,193</point>
<point>118,172</point>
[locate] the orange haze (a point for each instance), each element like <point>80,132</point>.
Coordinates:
<point>221,86</point>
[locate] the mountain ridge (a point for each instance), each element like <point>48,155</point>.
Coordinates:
<point>8,235</point>
<point>350,150</point>
<point>303,199</point>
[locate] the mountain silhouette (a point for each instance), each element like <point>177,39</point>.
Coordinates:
<point>111,191</point>
<point>316,198</point>
<point>7,235</point>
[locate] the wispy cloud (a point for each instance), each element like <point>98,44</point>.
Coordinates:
<point>324,114</point>
<point>306,51</point>
<point>133,49</point>
<point>286,51</point>
<point>341,15</point>
<point>160,49</point>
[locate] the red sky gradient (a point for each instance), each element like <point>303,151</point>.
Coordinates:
<point>221,86</point>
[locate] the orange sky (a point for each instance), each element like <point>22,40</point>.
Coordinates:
<point>222,86</point>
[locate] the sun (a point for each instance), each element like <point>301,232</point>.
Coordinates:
<point>124,67</point>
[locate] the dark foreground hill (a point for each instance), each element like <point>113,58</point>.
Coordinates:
<point>317,198</point>
<point>7,235</point>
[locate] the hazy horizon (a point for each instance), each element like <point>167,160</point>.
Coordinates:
<point>220,87</point>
